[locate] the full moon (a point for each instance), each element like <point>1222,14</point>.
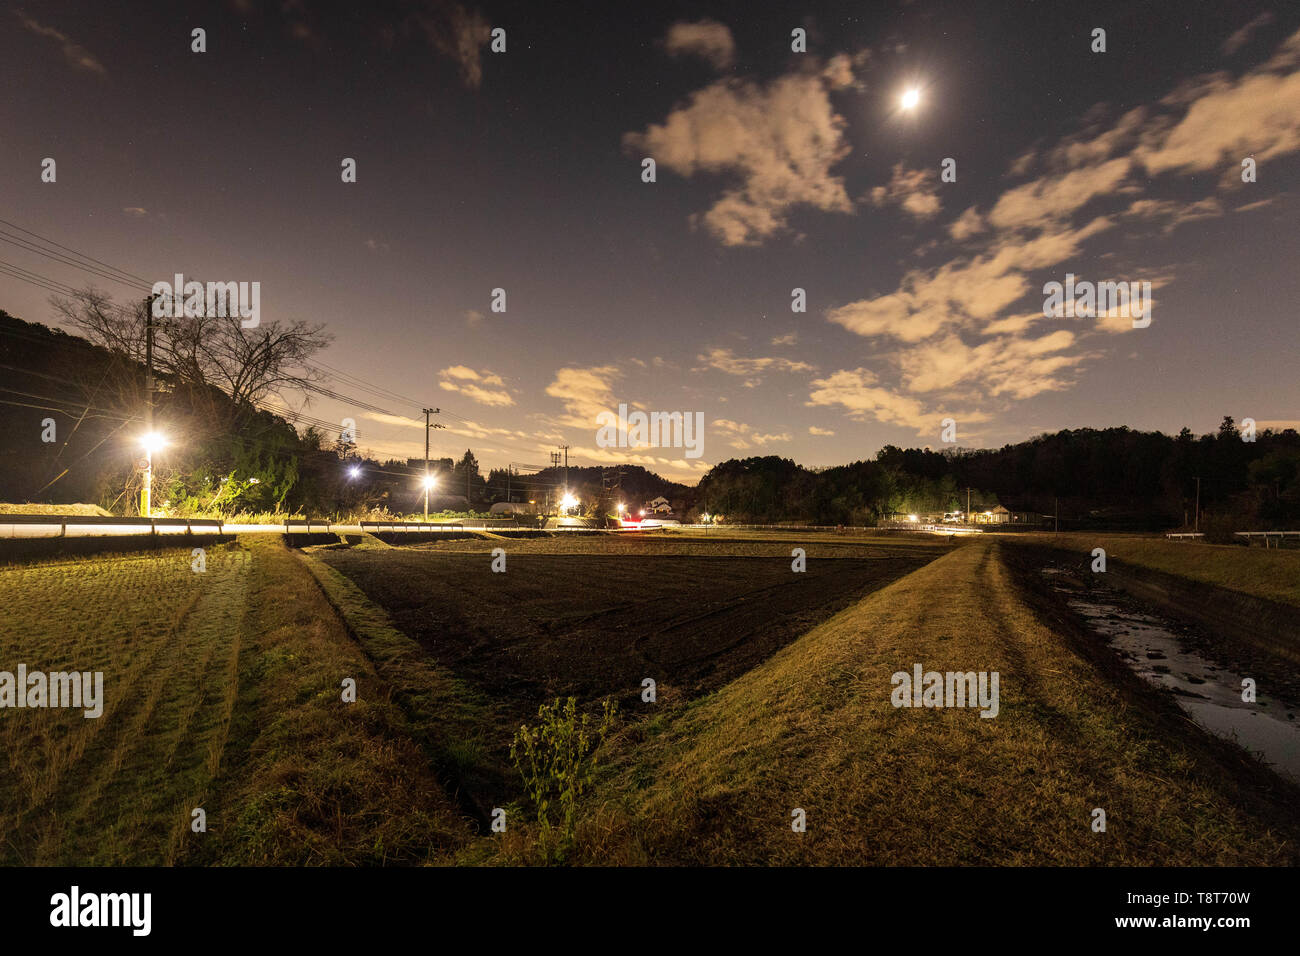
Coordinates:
<point>911,98</point>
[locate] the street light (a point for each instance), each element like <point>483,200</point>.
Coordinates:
<point>429,482</point>
<point>354,471</point>
<point>151,442</point>
<point>568,502</point>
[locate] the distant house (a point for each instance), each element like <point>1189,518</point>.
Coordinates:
<point>1001,515</point>
<point>659,506</point>
<point>997,515</point>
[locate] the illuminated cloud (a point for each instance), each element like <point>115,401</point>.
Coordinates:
<point>585,392</point>
<point>76,55</point>
<point>857,392</point>
<point>708,39</point>
<point>724,360</point>
<point>476,386</point>
<point>742,437</point>
<point>779,140</point>
<point>911,190</point>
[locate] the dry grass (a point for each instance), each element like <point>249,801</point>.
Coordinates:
<point>1270,573</point>
<point>813,727</point>
<point>223,692</point>
<point>106,790</point>
<point>43,509</point>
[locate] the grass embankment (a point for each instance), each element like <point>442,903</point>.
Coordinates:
<point>813,728</point>
<point>448,719</point>
<point>94,511</point>
<point>1269,573</point>
<point>222,691</point>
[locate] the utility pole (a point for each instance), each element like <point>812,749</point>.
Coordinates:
<point>1057,528</point>
<point>427,413</point>
<point>968,521</point>
<point>555,463</point>
<point>566,467</point>
<point>146,493</point>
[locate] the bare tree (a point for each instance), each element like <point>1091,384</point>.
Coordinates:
<point>248,365</point>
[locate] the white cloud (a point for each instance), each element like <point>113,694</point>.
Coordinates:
<point>742,437</point>
<point>708,39</point>
<point>862,398</point>
<point>476,386</point>
<point>779,140</point>
<point>913,190</point>
<point>724,360</point>
<point>585,392</point>
<point>1241,37</point>
<point>77,56</point>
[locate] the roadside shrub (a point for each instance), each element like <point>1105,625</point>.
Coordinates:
<point>557,758</point>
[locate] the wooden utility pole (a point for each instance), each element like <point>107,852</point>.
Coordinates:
<point>146,493</point>
<point>1057,517</point>
<point>427,413</point>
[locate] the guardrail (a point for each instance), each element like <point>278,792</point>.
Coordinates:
<point>152,524</point>
<point>1267,536</point>
<point>307,522</point>
<point>1183,535</point>
<point>412,526</point>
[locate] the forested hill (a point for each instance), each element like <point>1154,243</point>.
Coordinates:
<point>1112,477</point>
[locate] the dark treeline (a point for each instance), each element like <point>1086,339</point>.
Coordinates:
<point>1114,477</point>
<point>71,419</point>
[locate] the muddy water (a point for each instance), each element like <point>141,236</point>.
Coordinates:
<point>1208,690</point>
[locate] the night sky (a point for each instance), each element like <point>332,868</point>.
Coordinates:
<point>522,170</point>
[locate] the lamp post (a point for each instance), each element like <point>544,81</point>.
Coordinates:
<point>151,442</point>
<point>428,483</point>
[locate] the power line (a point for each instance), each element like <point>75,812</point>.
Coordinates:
<point>73,251</point>
<point>65,260</point>
<point>113,273</point>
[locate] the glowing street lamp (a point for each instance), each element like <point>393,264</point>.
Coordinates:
<point>151,442</point>
<point>354,471</point>
<point>568,503</point>
<point>429,482</point>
